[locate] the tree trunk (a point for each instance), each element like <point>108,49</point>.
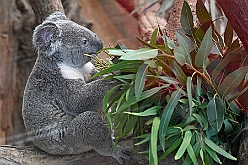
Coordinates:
<point>43,8</point>
<point>8,49</point>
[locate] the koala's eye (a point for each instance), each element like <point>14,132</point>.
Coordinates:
<point>85,42</point>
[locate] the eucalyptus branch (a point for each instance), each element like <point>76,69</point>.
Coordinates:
<point>194,69</point>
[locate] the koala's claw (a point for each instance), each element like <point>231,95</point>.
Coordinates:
<point>121,154</point>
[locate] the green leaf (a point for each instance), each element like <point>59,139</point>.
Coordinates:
<point>131,122</point>
<point>122,122</point>
<point>140,80</point>
<point>149,112</point>
<point>140,54</point>
<point>118,52</point>
<point>171,148</point>
<point>202,121</point>
<point>126,77</point>
<point>232,81</point>
<point>181,41</point>
<point>198,85</point>
<point>202,156</point>
<point>106,98</point>
<point>153,40</point>
<point>143,96</point>
<point>170,43</point>
<point>196,150</point>
<point>215,113</point>
<point>202,13</point>
<point>189,92</point>
<point>148,138</point>
<point>119,66</point>
<point>179,55</point>
<point>146,44</point>
<point>154,139</point>
<point>187,19</point>
<point>213,154</point>
<point>192,154</point>
<point>151,63</point>
<point>204,49</point>
<point>228,126</point>
<point>199,34</point>
<point>169,80</point>
<point>184,145</point>
<point>228,34</point>
<point>166,116</point>
<point>217,149</point>
<point>177,70</point>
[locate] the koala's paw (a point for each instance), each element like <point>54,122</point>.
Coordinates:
<point>122,155</point>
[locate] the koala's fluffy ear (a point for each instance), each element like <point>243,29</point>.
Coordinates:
<point>44,35</point>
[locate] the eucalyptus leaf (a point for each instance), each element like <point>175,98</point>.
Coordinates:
<point>148,138</point>
<point>204,49</point>
<point>182,42</point>
<point>153,40</point>
<point>144,95</point>
<point>215,112</point>
<point>132,120</point>
<point>119,66</point>
<point>189,92</point>
<point>232,81</point>
<point>187,19</point>
<point>171,148</point>
<point>192,154</point>
<point>168,79</point>
<point>154,139</point>
<point>228,34</point>
<point>213,154</point>
<point>170,43</point>
<point>140,80</point>
<point>106,98</point>
<point>186,142</point>
<point>151,111</point>
<point>177,70</point>
<point>238,94</point>
<point>118,52</point>
<point>196,149</point>
<point>179,54</point>
<point>140,54</point>
<point>198,85</point>
<point>126,77</point>
<point>202,13</point>
<point>228,58</point>
<point>228,126</point>
<point>202,121</point>
<point>166,116</point>
<point>217,149</point>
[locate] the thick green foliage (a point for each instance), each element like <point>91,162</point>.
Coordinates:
<point>181,99</point>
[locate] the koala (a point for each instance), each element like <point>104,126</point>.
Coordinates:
<point>59,102</point>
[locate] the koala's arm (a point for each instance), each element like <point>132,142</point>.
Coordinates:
<point>89,96</point>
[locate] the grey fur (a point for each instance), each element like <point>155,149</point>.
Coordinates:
<point>59,102</point>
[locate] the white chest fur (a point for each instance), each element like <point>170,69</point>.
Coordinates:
<point>83,73</point>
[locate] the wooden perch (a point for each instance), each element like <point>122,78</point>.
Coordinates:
<point>33,156</point>
<point>30,155</point>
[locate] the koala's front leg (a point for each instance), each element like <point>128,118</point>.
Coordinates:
<point>89,96</point>
<point>88,129</point>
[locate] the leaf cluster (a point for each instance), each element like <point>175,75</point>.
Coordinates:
<point>180,98</point>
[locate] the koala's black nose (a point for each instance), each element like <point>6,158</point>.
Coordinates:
<point>99,42</point>
<point>96,45</point>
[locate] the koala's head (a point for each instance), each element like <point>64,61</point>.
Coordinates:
<point>65,41</point>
